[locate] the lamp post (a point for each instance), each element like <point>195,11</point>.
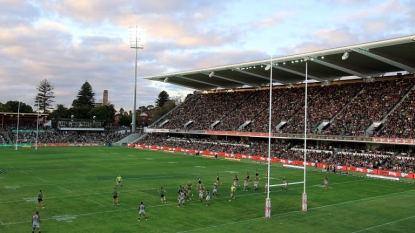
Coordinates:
<point>136,42</point>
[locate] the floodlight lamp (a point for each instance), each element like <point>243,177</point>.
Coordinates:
<point>345,56</point>
<point>267,67</point>
<point>211,74</point>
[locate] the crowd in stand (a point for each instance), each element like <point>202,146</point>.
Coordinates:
<point>400,123</point>
<point>370,105</point>
<point>28,134</point>
<point>351,108</point>
<point>322,106</point>
<point>352,154</point>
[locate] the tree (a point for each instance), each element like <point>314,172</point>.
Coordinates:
<point>59,112</point>
<point>124,121</point>
<point>163,97</point>
<point>142,109</point>
<point>13,106</point>
<point>161,111</point>
<point>44,97</point>
<point>85,97</point>
<point>84,102</point>
<point>104,113</point>
<point>121,111</point>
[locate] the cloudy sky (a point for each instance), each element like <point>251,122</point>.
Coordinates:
<point>68,42</point>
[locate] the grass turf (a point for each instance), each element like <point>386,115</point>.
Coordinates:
<point>78,184</point>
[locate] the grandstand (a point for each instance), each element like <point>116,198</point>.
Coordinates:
<point>63,132</point>
<point>360,106</point>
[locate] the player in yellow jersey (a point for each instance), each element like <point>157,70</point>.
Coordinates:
<point>118,181</point>
<point>233,189</point>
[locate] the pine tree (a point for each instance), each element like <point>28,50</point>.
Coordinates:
<point>85,97</point>
<point>44,97</point>
<point>163,97</point>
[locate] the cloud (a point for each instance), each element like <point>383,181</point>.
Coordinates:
<point>278,18</point>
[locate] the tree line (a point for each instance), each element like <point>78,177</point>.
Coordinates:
<point>83,106</point>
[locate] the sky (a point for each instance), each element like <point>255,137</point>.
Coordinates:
<point>69,42</point>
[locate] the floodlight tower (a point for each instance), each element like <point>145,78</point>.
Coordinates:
<point>37,124</point>
<point>268,200</point>
<point>136,42</point>
<point>304,199</point>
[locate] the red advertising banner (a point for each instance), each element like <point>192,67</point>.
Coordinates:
<point>276,160</point>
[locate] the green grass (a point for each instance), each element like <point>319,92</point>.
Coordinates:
<point>77,184</point>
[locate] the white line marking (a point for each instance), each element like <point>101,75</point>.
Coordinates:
<point>96,202</point>
<point>173,203</point>
<point>64,189</point>
<point>1,223</point>
<point>41,179</point>
<point>10,165</point>
<point>25,172</point>
<point>369,228</point>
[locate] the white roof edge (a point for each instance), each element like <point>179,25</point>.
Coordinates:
<point>369,45</point>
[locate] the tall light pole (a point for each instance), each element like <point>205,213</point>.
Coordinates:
<point>136,42</point>
<point>37,124</point>
<point>304,199</point>
<point>268,200</point>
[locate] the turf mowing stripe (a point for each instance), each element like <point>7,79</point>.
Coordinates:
<point>282,214</point>
<point>64,189</point>
<point>369,228</point>
<point>364,199</point>
<point>96,202</point>
<point>41,179</point>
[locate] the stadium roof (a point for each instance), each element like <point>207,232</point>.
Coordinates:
<point>364,61</point>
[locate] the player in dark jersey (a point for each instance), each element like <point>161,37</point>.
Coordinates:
<point>199,182</point>
<point>217,179</point>
<point>189,190</point>
<point>162,195</point>
<point>115,195</point>
<point>257,174</point>
<point>247,176</point>
<point>40,200</point>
